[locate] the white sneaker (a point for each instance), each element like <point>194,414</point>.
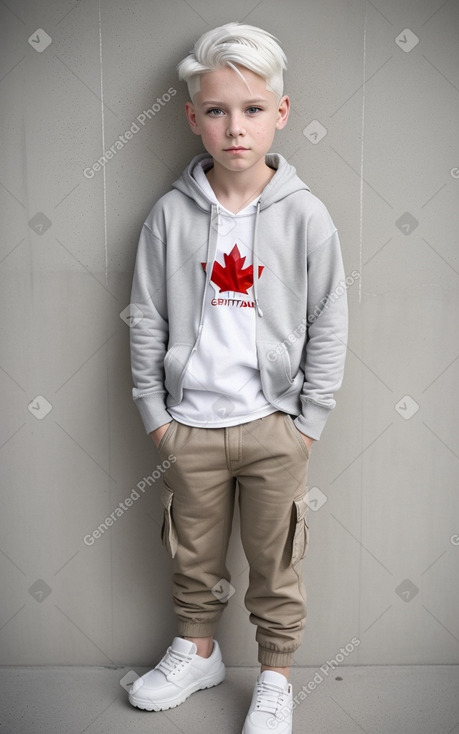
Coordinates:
<point>271,709</point>
<point>180,673</point>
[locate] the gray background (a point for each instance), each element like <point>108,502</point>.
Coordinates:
<point>381,79</point>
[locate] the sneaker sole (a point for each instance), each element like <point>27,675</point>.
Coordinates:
<point>215,680</point>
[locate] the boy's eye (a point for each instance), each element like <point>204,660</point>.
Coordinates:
<point>218,112</point>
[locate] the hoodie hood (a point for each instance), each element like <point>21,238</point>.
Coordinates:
<point>284,182</point>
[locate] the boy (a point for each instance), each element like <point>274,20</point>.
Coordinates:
<point>236,355</point>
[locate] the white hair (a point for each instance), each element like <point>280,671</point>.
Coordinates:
<point>230,44</point>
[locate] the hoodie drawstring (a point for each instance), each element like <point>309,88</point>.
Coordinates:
<point>210,257</point>
<point>255,261</point>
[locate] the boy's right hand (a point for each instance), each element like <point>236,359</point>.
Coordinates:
<point>158,433</point>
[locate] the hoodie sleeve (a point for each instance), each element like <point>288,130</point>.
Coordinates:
<point>149,330</point>
<point>327,320</point>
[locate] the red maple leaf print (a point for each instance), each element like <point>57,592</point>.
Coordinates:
<point>233,276</point>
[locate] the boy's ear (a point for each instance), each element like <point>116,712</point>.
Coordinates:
<point>190,113</point>
<point>283,111</point>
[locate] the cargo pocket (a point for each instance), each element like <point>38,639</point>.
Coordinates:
<point>168,531</point>
<point>300,530</point>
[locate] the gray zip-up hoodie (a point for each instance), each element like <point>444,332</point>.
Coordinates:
<point>301,304</point>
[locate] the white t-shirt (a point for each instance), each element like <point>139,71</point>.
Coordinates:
<point>222,385</point>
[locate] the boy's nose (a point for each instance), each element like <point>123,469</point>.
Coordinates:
<point>235,128</point>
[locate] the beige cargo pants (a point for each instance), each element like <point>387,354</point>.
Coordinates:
<point>268,459</point>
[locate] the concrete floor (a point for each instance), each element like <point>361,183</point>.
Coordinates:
<point>350,700</point>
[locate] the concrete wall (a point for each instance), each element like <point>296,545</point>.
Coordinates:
<point>373,130</point>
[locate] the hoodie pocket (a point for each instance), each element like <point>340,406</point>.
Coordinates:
<point>276,372</point>
<point>300,530</point>
<point>168,531</point>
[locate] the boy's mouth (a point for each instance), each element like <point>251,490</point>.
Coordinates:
<point>235,149</point>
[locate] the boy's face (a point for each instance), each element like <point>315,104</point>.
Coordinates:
<point>236,121</point>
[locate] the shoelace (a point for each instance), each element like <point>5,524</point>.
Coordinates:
<point>173,662</point>
<point>269,698</point>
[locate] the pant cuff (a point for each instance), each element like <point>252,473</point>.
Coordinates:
<point>197,629</point>
<point>274,658</point>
